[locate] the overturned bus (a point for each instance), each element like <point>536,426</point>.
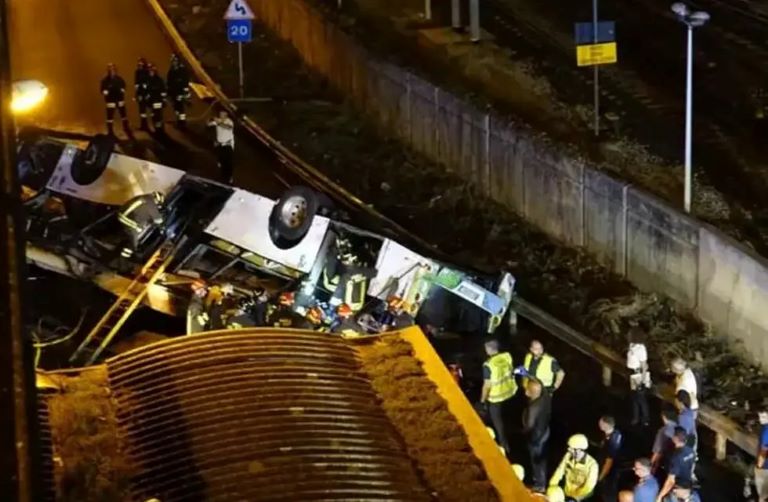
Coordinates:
<point>76,197</point>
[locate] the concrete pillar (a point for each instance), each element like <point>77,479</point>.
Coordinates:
<point>721,444</point>
<point>607,376</point>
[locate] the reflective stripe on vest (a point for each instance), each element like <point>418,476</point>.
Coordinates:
<point>125,219</point>
<point>355,290</point>
<point>543,370</point>
<point>330,283</point>
<point>503,385</point>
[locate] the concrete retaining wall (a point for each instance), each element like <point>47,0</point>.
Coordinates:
<point>655,246</point>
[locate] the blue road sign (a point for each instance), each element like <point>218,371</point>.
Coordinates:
<point>239,30</point>
<point>585,33</point>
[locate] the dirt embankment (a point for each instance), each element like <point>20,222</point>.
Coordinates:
<point>434,439</point>
<point>443,209</point>
<point>91,463</point>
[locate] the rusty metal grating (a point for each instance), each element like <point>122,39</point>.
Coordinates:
<point>48,482</point>
<point>257,415</point>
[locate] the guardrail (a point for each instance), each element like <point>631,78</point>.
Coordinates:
<point>724,428</point>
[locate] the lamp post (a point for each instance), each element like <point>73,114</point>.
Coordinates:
<point>691,20</point>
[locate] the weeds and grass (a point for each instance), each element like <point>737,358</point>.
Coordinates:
<point>91,461</point>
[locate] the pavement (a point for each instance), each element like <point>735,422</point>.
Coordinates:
<point>67,46</point>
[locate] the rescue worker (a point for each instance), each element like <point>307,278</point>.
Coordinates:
<point>396,316</point>
<point>260,306</point>
<point>536,418</point>
<point>499,387</point>
<point>578,469</point>
<point>345,323</point>
<point>610,456</point>
<point>316,317</point>
<point>197,318</point>
<point>241,317</point>
<point>684,492</point>
<point>686,380</point>
<point>681,463</point>
<point>761,465</point>
<point>178,89</point>
<point>156,97</point>
<point>140,85</point>
<point>662,444</point>
<point>220,302</point>
<point>647,487</point>
<point>284,316</point>
<point>224,144</point>
<point>545,368</point>
<point>113,90</point>
<point>139,216</point>
<point>686,418</point>
<point>640,376</point>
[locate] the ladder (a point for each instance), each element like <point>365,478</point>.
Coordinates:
<point>106,329</point>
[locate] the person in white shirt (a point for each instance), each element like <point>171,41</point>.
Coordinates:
<point>225,144</point>
<point>639,376</point>
<point>686,380</point>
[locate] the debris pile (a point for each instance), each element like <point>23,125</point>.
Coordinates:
<point>442,208</point>
<point>434,439</point>
<point>88,454</point>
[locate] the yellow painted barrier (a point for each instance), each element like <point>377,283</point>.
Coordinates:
<point>498,469</point>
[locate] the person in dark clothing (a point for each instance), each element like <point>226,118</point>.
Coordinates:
<point>113,90</point>
<point>285,317</point>
<point>260,306</point>
<point>681,464</point>
<point>662,444</point>
<point>610,451</point>
<point>140,83</point>
<point>178,89</point>
<point>686,417</point>
<point>536,430</point>
<point>156,97</point>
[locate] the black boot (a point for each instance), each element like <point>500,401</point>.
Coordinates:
<point>110,129</point>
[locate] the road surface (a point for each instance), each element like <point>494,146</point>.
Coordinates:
<point>68,44</point>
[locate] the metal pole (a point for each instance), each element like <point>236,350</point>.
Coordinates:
<point>240,66</point>
<point>19,452</point>
<point>428,9</point>
<point>688,121</point>
<point>596,71</point>
<point>456,15</point>
<point>474,21</point>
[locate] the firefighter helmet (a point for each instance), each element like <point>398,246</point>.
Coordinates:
<point>315,315</point>
<point>343,310</point>
<point>394,302</point>
<point>198,286</point>
<point>286,298</point>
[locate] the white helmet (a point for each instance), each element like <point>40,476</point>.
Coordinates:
<point>555,494</point>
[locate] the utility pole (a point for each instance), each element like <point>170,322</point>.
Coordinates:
<point>20,472</point>
<point>596,71</point>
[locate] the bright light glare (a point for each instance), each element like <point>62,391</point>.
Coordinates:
<point>27,94</point>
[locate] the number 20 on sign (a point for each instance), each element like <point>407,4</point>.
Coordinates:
<point>239,30</point>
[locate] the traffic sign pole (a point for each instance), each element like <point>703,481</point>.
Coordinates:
<point>239,30</point>
<point>240,66</point>
<point>596,70</point>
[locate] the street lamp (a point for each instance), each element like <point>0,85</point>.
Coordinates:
<point>26,95</point>
<point>691,20</point>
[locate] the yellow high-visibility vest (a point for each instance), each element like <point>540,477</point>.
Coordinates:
<point>544,372</point>
<point>502,380</point>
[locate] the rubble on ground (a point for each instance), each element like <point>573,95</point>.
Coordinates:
<point>444,209</point>
<point>89,458</point>
<point>435,441</point>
